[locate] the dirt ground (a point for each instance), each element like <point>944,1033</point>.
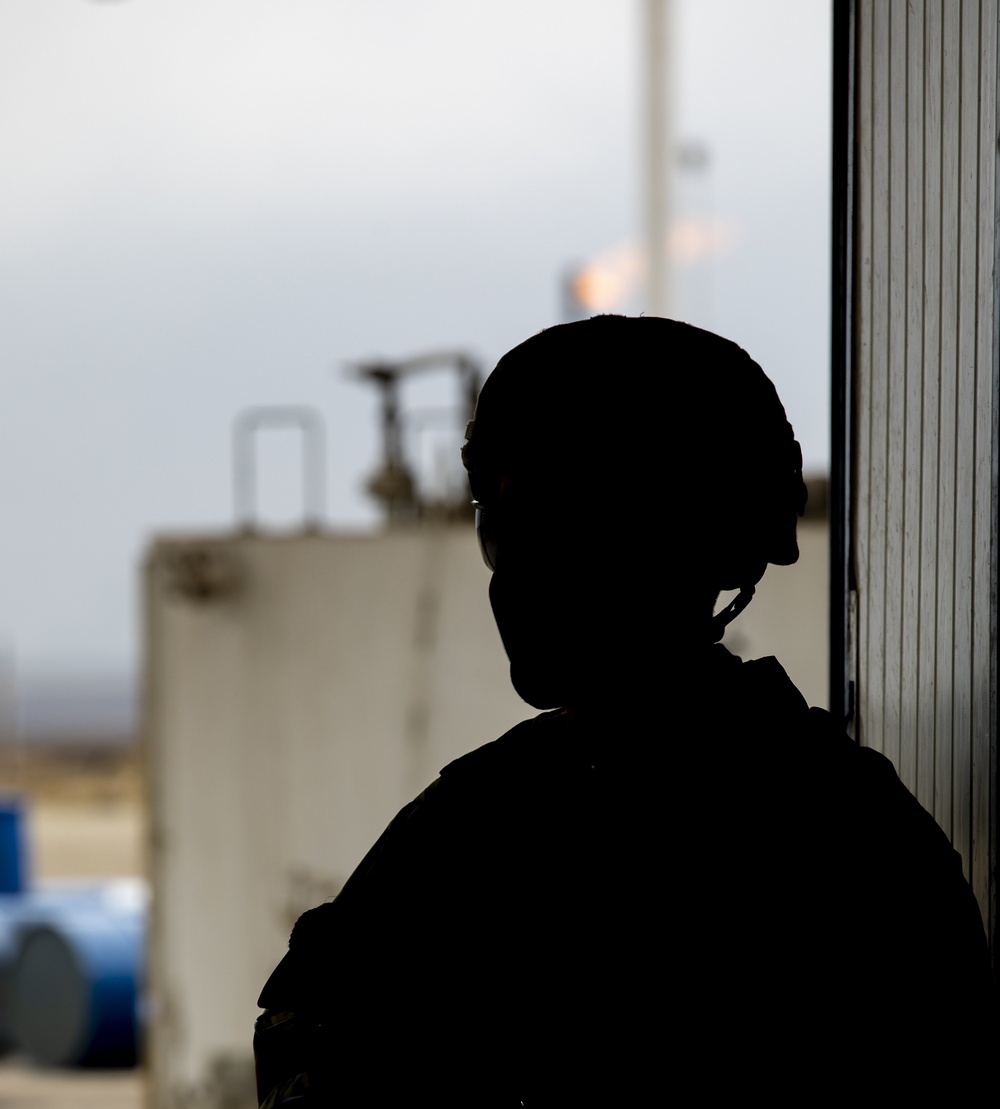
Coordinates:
<point>23,1087</point>
<point>84,809</point>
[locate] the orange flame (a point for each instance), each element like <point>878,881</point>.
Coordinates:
<point>608,280</point>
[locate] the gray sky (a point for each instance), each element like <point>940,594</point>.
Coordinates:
<point>208,204</point>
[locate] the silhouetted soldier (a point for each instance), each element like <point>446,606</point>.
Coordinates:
<point>681,880</point>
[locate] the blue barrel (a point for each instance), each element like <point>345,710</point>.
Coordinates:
<point>74,985</point>
<point>13,880</point>
<point>13,871</point>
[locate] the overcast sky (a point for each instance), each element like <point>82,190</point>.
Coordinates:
<point>210,204</point>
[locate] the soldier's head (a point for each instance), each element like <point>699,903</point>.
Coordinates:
<point>627,471</point>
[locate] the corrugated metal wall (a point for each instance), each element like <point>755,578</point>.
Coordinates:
<point>923,485</point>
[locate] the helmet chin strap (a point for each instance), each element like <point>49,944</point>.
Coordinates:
<point>722,619</point>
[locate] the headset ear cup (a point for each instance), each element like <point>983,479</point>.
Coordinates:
<point>758,523</point>
<point>781,524</point>
<point>736,561</point>
<point>739,542</point>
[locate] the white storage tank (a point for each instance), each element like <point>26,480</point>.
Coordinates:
<point>299,690</point>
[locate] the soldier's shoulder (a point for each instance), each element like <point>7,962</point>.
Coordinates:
<point>528,747</point>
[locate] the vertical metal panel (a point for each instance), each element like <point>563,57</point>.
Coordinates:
<point>874,605</point>
<point>895,399</point>
<point>950,13</point>
<point>923,484</point>
<point>984,563</point>
<point>862,472</point>
<point>913,399</point>
<point>842,259</point>
<point>964,491</point>
<point>930,307</point>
